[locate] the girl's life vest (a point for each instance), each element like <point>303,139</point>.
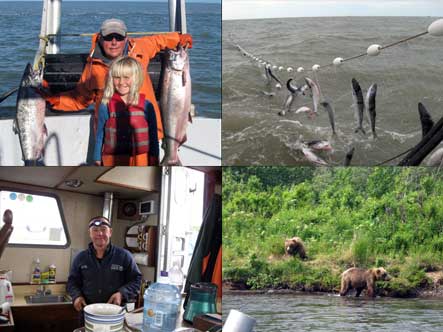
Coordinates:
<point>126,130</point>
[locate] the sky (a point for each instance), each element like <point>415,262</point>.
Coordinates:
<point>253,9</point>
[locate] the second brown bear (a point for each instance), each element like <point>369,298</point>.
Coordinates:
<point>295,246</point>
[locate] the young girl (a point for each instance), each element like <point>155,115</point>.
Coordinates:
<point>127,125</point>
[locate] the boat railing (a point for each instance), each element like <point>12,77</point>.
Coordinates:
<point>63,71</point>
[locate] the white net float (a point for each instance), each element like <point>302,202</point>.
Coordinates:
<point>289,70</point>
<point>337,61</point>
<point>436,28</point>
<point>315,67</point>
<point>300,70</point>
<point>374,50</point>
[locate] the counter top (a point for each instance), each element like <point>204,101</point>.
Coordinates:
<point>20,291</point>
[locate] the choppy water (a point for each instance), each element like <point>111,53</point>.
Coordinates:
<point>20,26</point>
<point>406,74</point>
<point>329,313</point>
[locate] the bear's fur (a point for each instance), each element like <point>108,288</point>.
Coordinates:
<point>359,279</point>
<point>295,246</point>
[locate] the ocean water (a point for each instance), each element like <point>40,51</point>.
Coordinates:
<point>406,74</point>
<point>20,26</point>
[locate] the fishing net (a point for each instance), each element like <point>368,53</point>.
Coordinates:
<point>405,74</point>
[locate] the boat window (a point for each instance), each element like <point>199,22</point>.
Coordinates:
<point>37,219</point>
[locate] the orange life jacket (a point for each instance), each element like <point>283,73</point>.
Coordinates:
<point>126,130</point>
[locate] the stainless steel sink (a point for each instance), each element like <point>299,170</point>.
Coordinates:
<point>47,299</point>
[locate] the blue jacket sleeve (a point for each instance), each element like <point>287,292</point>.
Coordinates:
<point>133,279</point>
<point>151,118</point>
<point>75,283</point>
<point>103,116</point>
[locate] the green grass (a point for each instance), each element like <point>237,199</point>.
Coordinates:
<point>363,217</point>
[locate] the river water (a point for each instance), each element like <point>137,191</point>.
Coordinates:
<point>294,312</point>
<point>254,133</point>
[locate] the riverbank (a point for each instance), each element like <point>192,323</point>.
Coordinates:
<point>433,289</point>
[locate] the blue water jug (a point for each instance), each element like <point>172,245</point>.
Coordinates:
<point>161,302</point>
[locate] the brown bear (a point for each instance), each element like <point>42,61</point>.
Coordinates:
<point>295,246</point>
<point>359,279</point>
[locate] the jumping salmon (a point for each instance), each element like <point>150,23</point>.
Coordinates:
<point>348,156</point>
<point>175,102</point>
<point>357,95</point>
<point>30,118</point>
<point>370,103</point>
<point>331,115</point>
<point>275,78</point>
<point>315,93</point>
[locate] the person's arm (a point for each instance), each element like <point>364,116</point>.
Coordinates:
<point>133,279</point>
<point>99,136</point>
<point>154,44</point>
<point>77,99</point>
<point>75,282</point>
<point>154,150</point>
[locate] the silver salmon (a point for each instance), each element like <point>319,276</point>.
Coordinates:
<point>348,156</point>
<point>315,93</point>
<point>175,102</point>
<point>436,159</point>
<point>331,115</point>
<point>370,103</point>
<point>357,95</point>
<point>275,78</point>
<point>30,118</point>
<point>312,157</point>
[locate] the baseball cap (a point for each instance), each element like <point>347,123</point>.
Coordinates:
<point>113,25</point>
<point>99,221</point>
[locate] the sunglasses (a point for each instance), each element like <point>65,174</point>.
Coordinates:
<point>112,36</point>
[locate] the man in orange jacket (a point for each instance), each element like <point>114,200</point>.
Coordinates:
<point>107,45</point>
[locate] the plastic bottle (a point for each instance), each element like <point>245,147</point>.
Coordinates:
<point>176,276</point>
<point>36,272</point>
<point>52,273</point>
<point>6,293</point>
<point>161,302</point>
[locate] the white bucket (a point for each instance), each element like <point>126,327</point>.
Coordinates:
<point>103,317</point>
<point>238,322</point>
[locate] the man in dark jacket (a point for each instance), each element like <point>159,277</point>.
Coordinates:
<point>103,273</point>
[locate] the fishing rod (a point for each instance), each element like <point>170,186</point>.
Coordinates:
<point>89,34</point>
<point>7,94</point>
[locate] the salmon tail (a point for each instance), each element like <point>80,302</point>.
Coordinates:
<point>360,129</point>
<point>168,161</point>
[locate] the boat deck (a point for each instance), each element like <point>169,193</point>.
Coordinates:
<point>69,137</point>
